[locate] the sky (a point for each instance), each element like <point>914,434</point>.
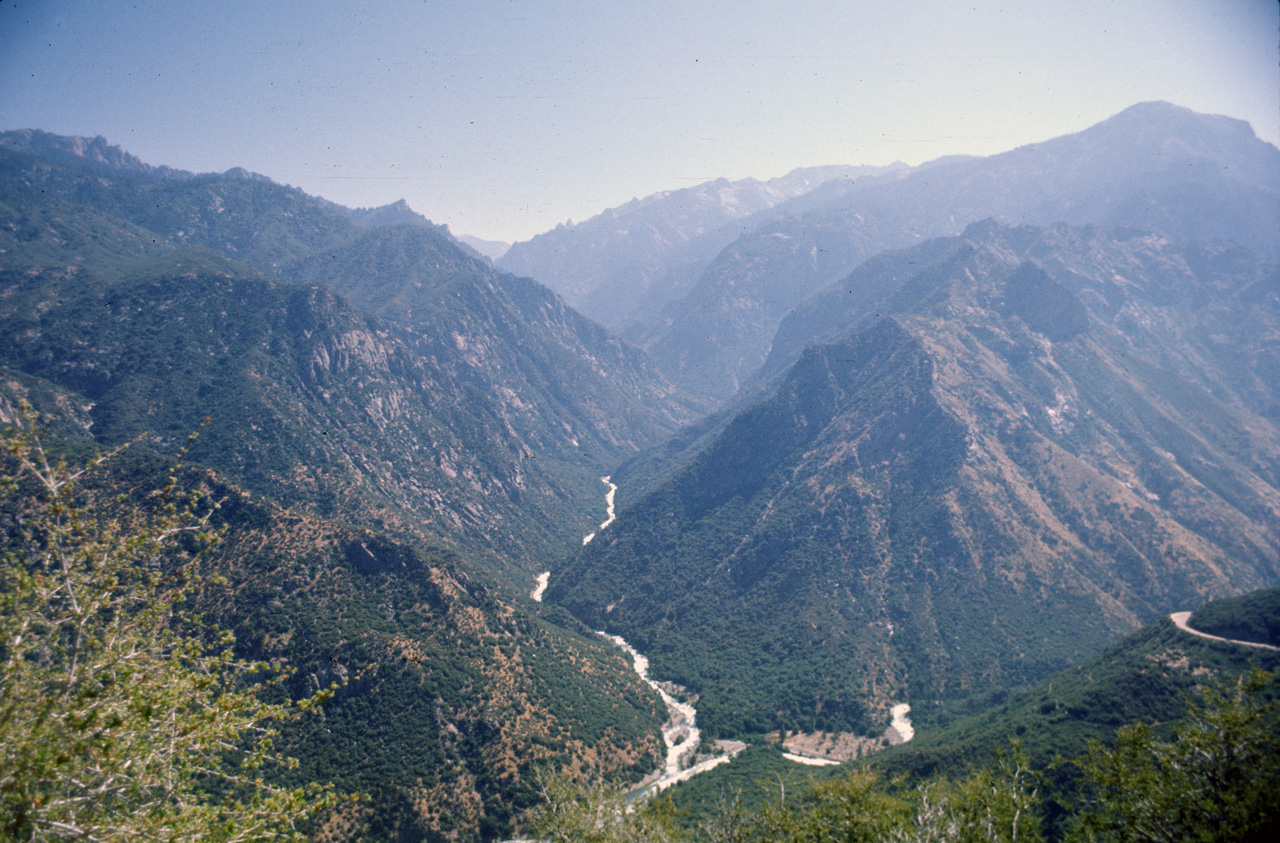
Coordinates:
<point>503,118</point>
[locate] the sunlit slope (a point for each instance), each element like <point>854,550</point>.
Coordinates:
<point>568,387</point>
<point>564,385</point>
<point>1036,440</point>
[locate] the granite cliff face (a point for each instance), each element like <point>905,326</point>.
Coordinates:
<point>570,388</point>
<point>1023,442</point>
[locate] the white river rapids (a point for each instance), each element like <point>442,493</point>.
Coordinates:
<point>608,508</point>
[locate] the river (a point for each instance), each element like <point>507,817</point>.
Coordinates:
<point>680,733</point>
<point>608,508</point>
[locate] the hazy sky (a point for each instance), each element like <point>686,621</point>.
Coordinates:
<point>504,117</point>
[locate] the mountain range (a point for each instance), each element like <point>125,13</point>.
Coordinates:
<point>447,402</point>
<point>994,453</point>
<point>880,435</point>
<point>1154,166</point>
<point>628,262</point>
<point>388,489</point>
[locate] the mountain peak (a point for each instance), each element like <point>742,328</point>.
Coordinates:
<point>74,149</point>
<point>395,213</point>
<point>1159,112</point>
<point>1164,128</point>
<point>241,174</point>
<point>981,230</point>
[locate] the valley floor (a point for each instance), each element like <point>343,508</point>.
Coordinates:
<point>680,733</point>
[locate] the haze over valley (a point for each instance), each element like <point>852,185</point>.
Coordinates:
<point>759,493</point>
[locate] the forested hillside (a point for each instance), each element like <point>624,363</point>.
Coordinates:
<point>975,422</point>
<point>384,503</point>
<point>1165,733</point>
<point>1027,442</point>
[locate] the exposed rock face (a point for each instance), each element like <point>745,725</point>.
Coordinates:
<point>569,388</point>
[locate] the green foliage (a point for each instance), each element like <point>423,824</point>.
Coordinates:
<point>1250,617</point>
<point>122,714</point>
<point>995,803</point>
<point>1148,677</point>
<point>756,777</point>
<point>852,809</point>
<point>1000,803</point>
<point>592,813</point>
<point>1217,780</point>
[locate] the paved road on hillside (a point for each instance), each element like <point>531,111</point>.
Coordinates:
<point>1180,619</point>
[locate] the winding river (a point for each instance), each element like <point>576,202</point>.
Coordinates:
<point>608,508</point>
<point>680,733</point>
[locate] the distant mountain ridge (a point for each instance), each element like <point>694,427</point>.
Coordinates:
<point>1155,167</point>
<point>94,152</point>
<point>641,255</point>
<point>395,213</point>
<point>491,249</point>
<point>99,154</point>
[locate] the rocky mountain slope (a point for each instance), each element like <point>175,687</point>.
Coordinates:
<point>566,385</point>
<point>1155,166</point>
<point>1027,442</point>
<point>483,375</point>
<point>384,509</point>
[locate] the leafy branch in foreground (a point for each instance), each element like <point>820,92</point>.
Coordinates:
<point>1219,779</point>
<point>576,812</point>
<point>123,714</point>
